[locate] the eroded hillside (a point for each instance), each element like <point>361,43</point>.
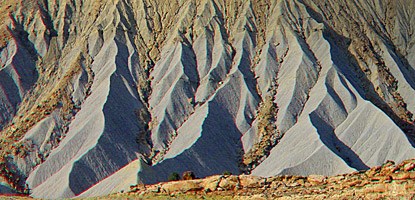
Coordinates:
<point>98,95</point>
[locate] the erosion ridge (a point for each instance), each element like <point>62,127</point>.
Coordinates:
<point>96,96</point>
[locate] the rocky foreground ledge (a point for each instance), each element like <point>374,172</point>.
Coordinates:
<point>388,180</point>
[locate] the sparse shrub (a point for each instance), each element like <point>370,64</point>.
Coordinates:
<point>174,176</point>
<point>188,175</point>
<point>227,173</point>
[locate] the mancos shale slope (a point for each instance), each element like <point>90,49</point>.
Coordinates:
<point>98,95</point>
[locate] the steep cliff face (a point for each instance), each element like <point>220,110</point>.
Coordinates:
<point>98,95</point>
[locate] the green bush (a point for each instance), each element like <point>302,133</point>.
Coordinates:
<point>174,176</point>
<point>226,173</point>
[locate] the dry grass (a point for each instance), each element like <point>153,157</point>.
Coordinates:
<point>267,132</point>
<point>13,197</point>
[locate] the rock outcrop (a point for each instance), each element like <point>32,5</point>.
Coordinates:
<point>92,92</point>
<point>386,181</point>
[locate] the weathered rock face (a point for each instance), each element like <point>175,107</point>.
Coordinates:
<point>92,91</point>
<point>386,181</point>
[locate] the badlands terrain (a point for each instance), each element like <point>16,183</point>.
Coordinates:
<point>96,96</point>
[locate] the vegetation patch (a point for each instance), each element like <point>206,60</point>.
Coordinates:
<point>268,135</point>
